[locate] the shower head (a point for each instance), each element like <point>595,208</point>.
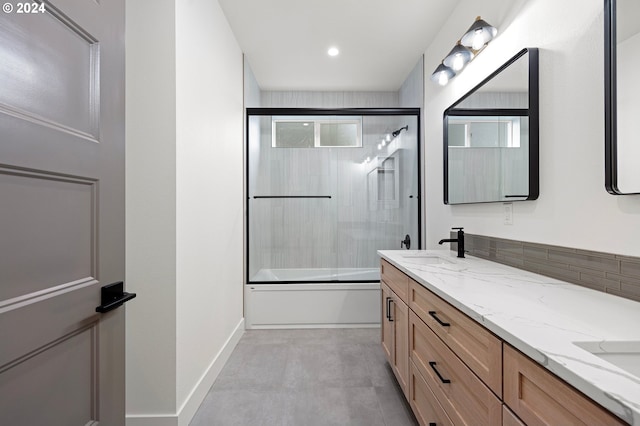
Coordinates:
<point>396,133</point>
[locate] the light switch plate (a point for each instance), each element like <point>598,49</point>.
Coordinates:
<point>508,213</point>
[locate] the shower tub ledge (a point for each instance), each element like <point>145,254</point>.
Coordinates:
<point>312,305</point>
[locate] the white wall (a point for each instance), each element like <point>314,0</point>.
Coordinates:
<point>151,207</point>
<point>574,209</point>
<point>209,190</point>
<point>628,63</point>
<point>251,88</point>
<point>184,205</point>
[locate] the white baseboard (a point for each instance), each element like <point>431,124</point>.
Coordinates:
<point>318,305</point>
<point>192,403</point>
<point>151,420</point>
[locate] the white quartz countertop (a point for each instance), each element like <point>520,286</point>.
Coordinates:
<point>544,318</point>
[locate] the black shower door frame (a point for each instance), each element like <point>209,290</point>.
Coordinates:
<point>251,112</point>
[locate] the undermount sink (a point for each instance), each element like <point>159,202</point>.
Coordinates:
<point>425,259</point>
<point>623,354</point>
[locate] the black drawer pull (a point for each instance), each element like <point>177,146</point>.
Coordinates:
<point>435,317</point>
<point>432,364</point>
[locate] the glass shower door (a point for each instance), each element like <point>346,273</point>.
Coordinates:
<point>326,192</point>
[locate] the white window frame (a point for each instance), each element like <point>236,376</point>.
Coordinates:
<point>317,123</point>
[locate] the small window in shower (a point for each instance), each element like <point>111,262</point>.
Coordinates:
<point>293,134</point>
<point>338,132</point>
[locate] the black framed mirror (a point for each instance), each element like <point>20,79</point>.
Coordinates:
<point>621,62</point>
<point>491,137</point>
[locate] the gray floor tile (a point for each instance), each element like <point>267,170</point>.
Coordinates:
<point>326,366</point>
<point>306,378</point>
<point>333,406</point>
<point>379,370</point>
<point>241,408</point>
<point>394,407</point>
<point>255,367</point>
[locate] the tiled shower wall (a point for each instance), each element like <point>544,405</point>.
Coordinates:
<point>606,272</point>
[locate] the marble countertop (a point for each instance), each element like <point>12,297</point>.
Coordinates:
<point>542,317</point>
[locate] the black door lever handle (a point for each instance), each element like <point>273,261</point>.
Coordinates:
<point>113,296</point>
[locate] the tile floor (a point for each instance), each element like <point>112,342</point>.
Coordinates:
<point>306,378</point>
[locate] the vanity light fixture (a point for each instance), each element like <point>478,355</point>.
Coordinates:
<point>442,75</point>
<point>470,44</point>
<point>479,34</point>
<point>459,57</point>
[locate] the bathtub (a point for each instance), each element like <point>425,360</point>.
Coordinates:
<point>313,298</point>
<point>293,275</point>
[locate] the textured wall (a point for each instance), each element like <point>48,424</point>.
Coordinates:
<point>606,272</point>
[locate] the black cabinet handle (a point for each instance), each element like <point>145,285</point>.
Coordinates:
<point>435,317</point>
<point>113,296</point>
<point>432,364</point>
<point>388,300</point>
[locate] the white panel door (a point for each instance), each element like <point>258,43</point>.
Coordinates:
<point>61,211</point>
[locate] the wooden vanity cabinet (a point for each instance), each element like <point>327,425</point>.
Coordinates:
<point>540,398</point>
<point>465,398</point>
<point>424,403</point>
<point>395,335</point>
<point>477,347</point>
<point>386,327</point>
<point>397,281</point>
<point>510,419</point>
<point>453,371</point>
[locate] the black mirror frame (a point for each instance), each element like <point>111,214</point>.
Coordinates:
<point>533,112</point>
<point>610,99</point>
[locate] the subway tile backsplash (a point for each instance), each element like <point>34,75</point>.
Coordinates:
<point>606,272</point>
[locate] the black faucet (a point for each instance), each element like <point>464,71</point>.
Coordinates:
<point>459,240</point>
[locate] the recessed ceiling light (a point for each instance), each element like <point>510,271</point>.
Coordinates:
<point>333,51</point>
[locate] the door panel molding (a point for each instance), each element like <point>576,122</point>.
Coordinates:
<point>47,220</point>
<point>73,358</point>
<point>64,59</point>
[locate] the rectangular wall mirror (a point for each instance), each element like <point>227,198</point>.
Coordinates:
<point>491,137</point>
<point>622,89</point>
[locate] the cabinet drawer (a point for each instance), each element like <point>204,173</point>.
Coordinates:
<point>540,398</point>
<point>475,345</point>
<point>510,419</point>
<point>395,279</point>
<point>464,397</point>
<point>425,406</point>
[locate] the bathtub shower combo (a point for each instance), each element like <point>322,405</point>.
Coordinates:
<point>327,189</point>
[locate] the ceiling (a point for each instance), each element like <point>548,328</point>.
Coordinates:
<point>380,41</point>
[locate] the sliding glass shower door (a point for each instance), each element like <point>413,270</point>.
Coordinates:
<point>326,190</point>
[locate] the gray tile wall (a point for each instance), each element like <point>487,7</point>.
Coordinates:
<point>606,272</point>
